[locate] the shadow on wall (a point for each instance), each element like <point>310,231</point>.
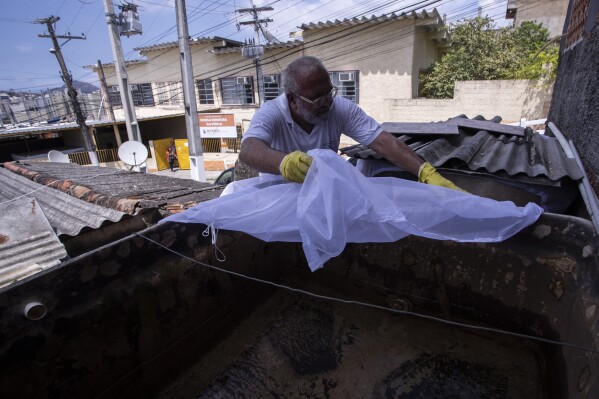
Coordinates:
<point>537,99</point>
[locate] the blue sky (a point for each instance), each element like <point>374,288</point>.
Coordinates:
<point>26,63</point>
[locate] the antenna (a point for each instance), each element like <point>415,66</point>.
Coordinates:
<point>133,153</point>
<point>57,156</point>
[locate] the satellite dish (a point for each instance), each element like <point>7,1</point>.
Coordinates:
<point>133,153</point>
<point>57,156</point>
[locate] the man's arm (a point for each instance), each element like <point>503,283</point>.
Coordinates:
<point>258,155</point>
<point>396,152</point>
<point>401,155</point>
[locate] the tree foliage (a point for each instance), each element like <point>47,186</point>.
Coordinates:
<point>479,51</point>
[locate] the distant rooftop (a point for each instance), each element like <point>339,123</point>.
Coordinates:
<point>121,190</point>
<point>374,19</point>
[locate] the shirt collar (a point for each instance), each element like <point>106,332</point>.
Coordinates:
<point>283,105</point>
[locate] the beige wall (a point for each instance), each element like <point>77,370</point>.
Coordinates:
<point>381,52</point>
<point>425,53</point>
<point>388,56</point>
<point>551,13</point>
<point>510,99</point>
<point>163,66</point>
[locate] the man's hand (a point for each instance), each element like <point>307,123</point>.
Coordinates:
<point>294,166</point>
<point>429,175</point>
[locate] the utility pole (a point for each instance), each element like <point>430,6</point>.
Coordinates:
<point>192,124</point>
<point>256,51</point>
<point>115,126</point>
<point>113,22</point>
<point>64,103</point>
<point>66,76</point>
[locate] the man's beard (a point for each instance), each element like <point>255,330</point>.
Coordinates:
<point>314,117</point>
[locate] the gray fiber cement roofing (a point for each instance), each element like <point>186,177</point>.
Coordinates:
<point>28,243</point>
<point>477,147</point>
<point>66,214</point>
<point>122,190</point>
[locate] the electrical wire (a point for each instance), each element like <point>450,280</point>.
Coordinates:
<point>456,16</point>
<point>244,66</point>
<point>373,306</point>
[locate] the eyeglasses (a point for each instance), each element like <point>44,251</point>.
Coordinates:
<point>330,95</point>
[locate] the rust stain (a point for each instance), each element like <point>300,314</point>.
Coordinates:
<point>3,239</point>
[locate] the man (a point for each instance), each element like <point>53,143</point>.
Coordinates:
<point>308,116</point>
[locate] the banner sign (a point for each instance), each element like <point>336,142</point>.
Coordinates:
<point>217,125</point>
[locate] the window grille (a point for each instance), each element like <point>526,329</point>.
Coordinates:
<point>237,90</point>
<point>114,96</point>
<point>205,91</point>
<point>346,83</point>
<point>142,95</point>
<point>272,88</point>
<point>169,93</point>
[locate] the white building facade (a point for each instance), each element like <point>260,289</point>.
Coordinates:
<point>375,62</point>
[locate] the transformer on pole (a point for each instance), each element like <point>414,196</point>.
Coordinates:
<point>255,51</point>
<point>127,23</point>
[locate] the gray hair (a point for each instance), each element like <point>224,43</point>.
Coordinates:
<point>292,71</point>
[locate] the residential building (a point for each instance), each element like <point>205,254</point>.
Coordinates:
<point>550,13</point>
<point>375,62</point>
<point>369,59</point>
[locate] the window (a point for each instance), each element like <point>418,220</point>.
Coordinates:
<point>142,94</point>
<point>272,88</point>
<point>238,90</point>
<point>169,93</point>
<point>346,83</point>
<point>114,96</point>
<point>205,91</point>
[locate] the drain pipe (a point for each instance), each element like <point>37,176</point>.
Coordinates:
<point>562,140</point>
<point>588,195</point>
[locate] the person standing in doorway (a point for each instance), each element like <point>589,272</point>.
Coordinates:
<point>171,155</point>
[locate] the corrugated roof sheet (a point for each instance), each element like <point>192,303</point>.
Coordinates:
<point>95,123</point>
<point>268,46</point>
<point>374,19</point>
<point>66,214</point>
<point>532,155</point>
<point>165,45</point>
<point>27,241</point>
<point>95,67</point>
<point>118,189</point>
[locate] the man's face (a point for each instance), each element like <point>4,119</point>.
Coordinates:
<point>313,85</point>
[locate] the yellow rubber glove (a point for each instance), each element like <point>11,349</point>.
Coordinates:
<point>294,166</point>
<point>429,175</point>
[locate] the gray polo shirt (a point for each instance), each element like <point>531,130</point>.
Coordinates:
<point>273,124</point>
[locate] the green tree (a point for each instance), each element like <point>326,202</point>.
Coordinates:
<point>479,51</point>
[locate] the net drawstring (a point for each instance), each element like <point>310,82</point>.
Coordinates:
<point>213,233</point>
